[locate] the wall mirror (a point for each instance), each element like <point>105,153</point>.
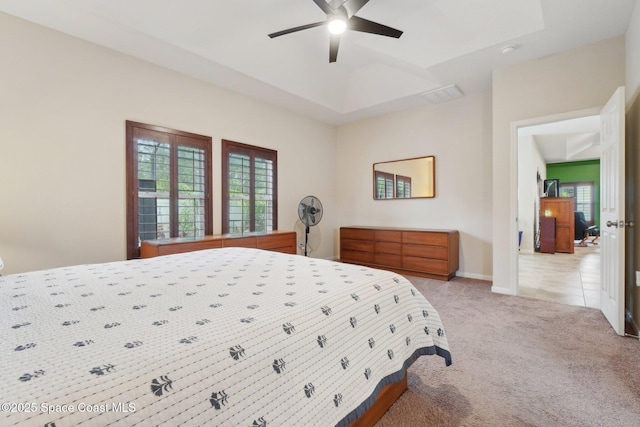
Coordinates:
<point>405,179</point>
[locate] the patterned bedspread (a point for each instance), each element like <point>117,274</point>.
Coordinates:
<point>222,337</point>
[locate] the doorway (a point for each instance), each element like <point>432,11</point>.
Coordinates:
<point>561,277</point>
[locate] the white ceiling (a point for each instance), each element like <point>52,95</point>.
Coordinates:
<point>568,140</point>
<point>444,42</point>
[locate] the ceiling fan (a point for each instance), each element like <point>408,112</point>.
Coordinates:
<point>341,16</point>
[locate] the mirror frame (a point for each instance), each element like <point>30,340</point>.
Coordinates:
<point>433,178</point>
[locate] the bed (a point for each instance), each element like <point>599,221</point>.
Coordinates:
<point>225,337</point>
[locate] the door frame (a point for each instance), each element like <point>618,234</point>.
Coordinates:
<point>514,267</point>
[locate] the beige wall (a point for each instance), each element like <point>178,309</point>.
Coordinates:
<point>63,108</point>
<point>632,58</point>
<point>633,156</point>
<point>458,134</point>
<point>530,162</point>
<point>578,79</point>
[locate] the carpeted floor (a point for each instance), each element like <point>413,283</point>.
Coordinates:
<point>520,362</point>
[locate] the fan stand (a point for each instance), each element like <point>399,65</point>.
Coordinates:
<point>306,236</point>
<point>310,213</point>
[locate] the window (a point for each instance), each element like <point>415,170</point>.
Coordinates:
<point>582,192</point>
<point>384,185</point>
<point>403,187</point>
<point>249,188</point>
<point>168,185</point>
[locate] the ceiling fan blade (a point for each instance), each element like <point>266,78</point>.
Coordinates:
<point>353,6</point>
<point>334,43</point>
<point>296,29</point>
<point>356,23</point>
<point>326,8</point>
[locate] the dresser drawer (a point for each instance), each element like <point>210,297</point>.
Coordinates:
<point>357,245</point>
<point>277,241</point>
<point>425,264</point>
<point>388,236</point>
<point>285,250</point>
<point>425,238</point>
<point>356,256</point>
<point>425,251</point>
<point>388,260</point>
<point>388,248</point>
<point>357,234</point>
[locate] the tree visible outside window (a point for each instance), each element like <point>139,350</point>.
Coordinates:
<point>168,185</point>
<point>249,188</point>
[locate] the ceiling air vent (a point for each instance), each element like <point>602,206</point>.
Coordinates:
<point>443,94</point>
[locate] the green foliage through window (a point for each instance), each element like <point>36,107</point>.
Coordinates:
<point>250,191</point>
<point>168,181</point>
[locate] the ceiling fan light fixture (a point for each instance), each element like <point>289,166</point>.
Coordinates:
<point>339,19</point>
<point>337,25</point>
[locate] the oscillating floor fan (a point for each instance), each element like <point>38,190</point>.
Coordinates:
<point>310,213</point>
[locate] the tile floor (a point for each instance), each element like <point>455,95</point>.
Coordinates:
<point>572,279</point>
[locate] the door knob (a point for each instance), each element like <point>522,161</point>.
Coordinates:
<point>621,224</point>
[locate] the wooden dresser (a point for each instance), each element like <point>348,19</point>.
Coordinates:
<point>279,241</point>
<point>562,209</point>
<point>417,252</point>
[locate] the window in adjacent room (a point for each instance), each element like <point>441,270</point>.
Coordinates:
<point>168,185</point>
<point>384,185</point>
<point>249,188</point>
<point>582,192</point>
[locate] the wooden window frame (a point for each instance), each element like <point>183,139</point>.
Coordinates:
<point>386,177</point>
<point>404,180</point>
<point>229,147</point>
<point>195,140</point>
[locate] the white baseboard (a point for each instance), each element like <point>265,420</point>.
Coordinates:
<point>474,276</point>
<point>527,251</point>
<point>499,290</point>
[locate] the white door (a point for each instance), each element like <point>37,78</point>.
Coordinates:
<point>612,210</point>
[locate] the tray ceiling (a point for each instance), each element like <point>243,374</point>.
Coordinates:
<point>444,42</point>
